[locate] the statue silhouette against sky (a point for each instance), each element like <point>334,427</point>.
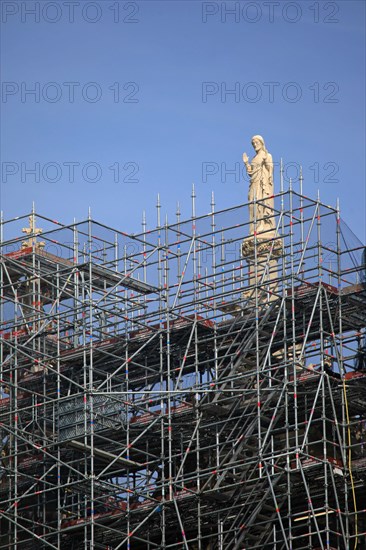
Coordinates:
<point>260,172</point>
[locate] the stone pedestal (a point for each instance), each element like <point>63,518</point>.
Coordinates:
<point>261,255</point>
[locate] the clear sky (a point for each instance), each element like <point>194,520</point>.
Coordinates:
<point>131,99</point>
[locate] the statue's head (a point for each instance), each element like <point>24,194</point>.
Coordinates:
<point>258,143</point>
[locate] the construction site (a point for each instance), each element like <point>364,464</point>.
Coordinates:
<point>184,387</point>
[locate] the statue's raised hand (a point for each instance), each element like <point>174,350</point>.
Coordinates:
<point>245,158</point>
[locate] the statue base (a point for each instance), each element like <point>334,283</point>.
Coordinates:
<point>260,246</point>
<point>262,256</point>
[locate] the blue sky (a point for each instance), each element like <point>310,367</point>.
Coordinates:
<point>145,90</point>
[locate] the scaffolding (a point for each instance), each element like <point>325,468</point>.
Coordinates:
<point>180,388</point>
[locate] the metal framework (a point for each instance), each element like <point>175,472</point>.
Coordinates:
<point>171,390</point>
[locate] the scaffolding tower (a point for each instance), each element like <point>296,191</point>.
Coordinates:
<point>173,389</point>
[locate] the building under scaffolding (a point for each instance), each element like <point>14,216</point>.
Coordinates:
<point>174,389</point>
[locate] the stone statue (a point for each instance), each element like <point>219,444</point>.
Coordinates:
<point>262,247</point>
<point>260,171</point>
